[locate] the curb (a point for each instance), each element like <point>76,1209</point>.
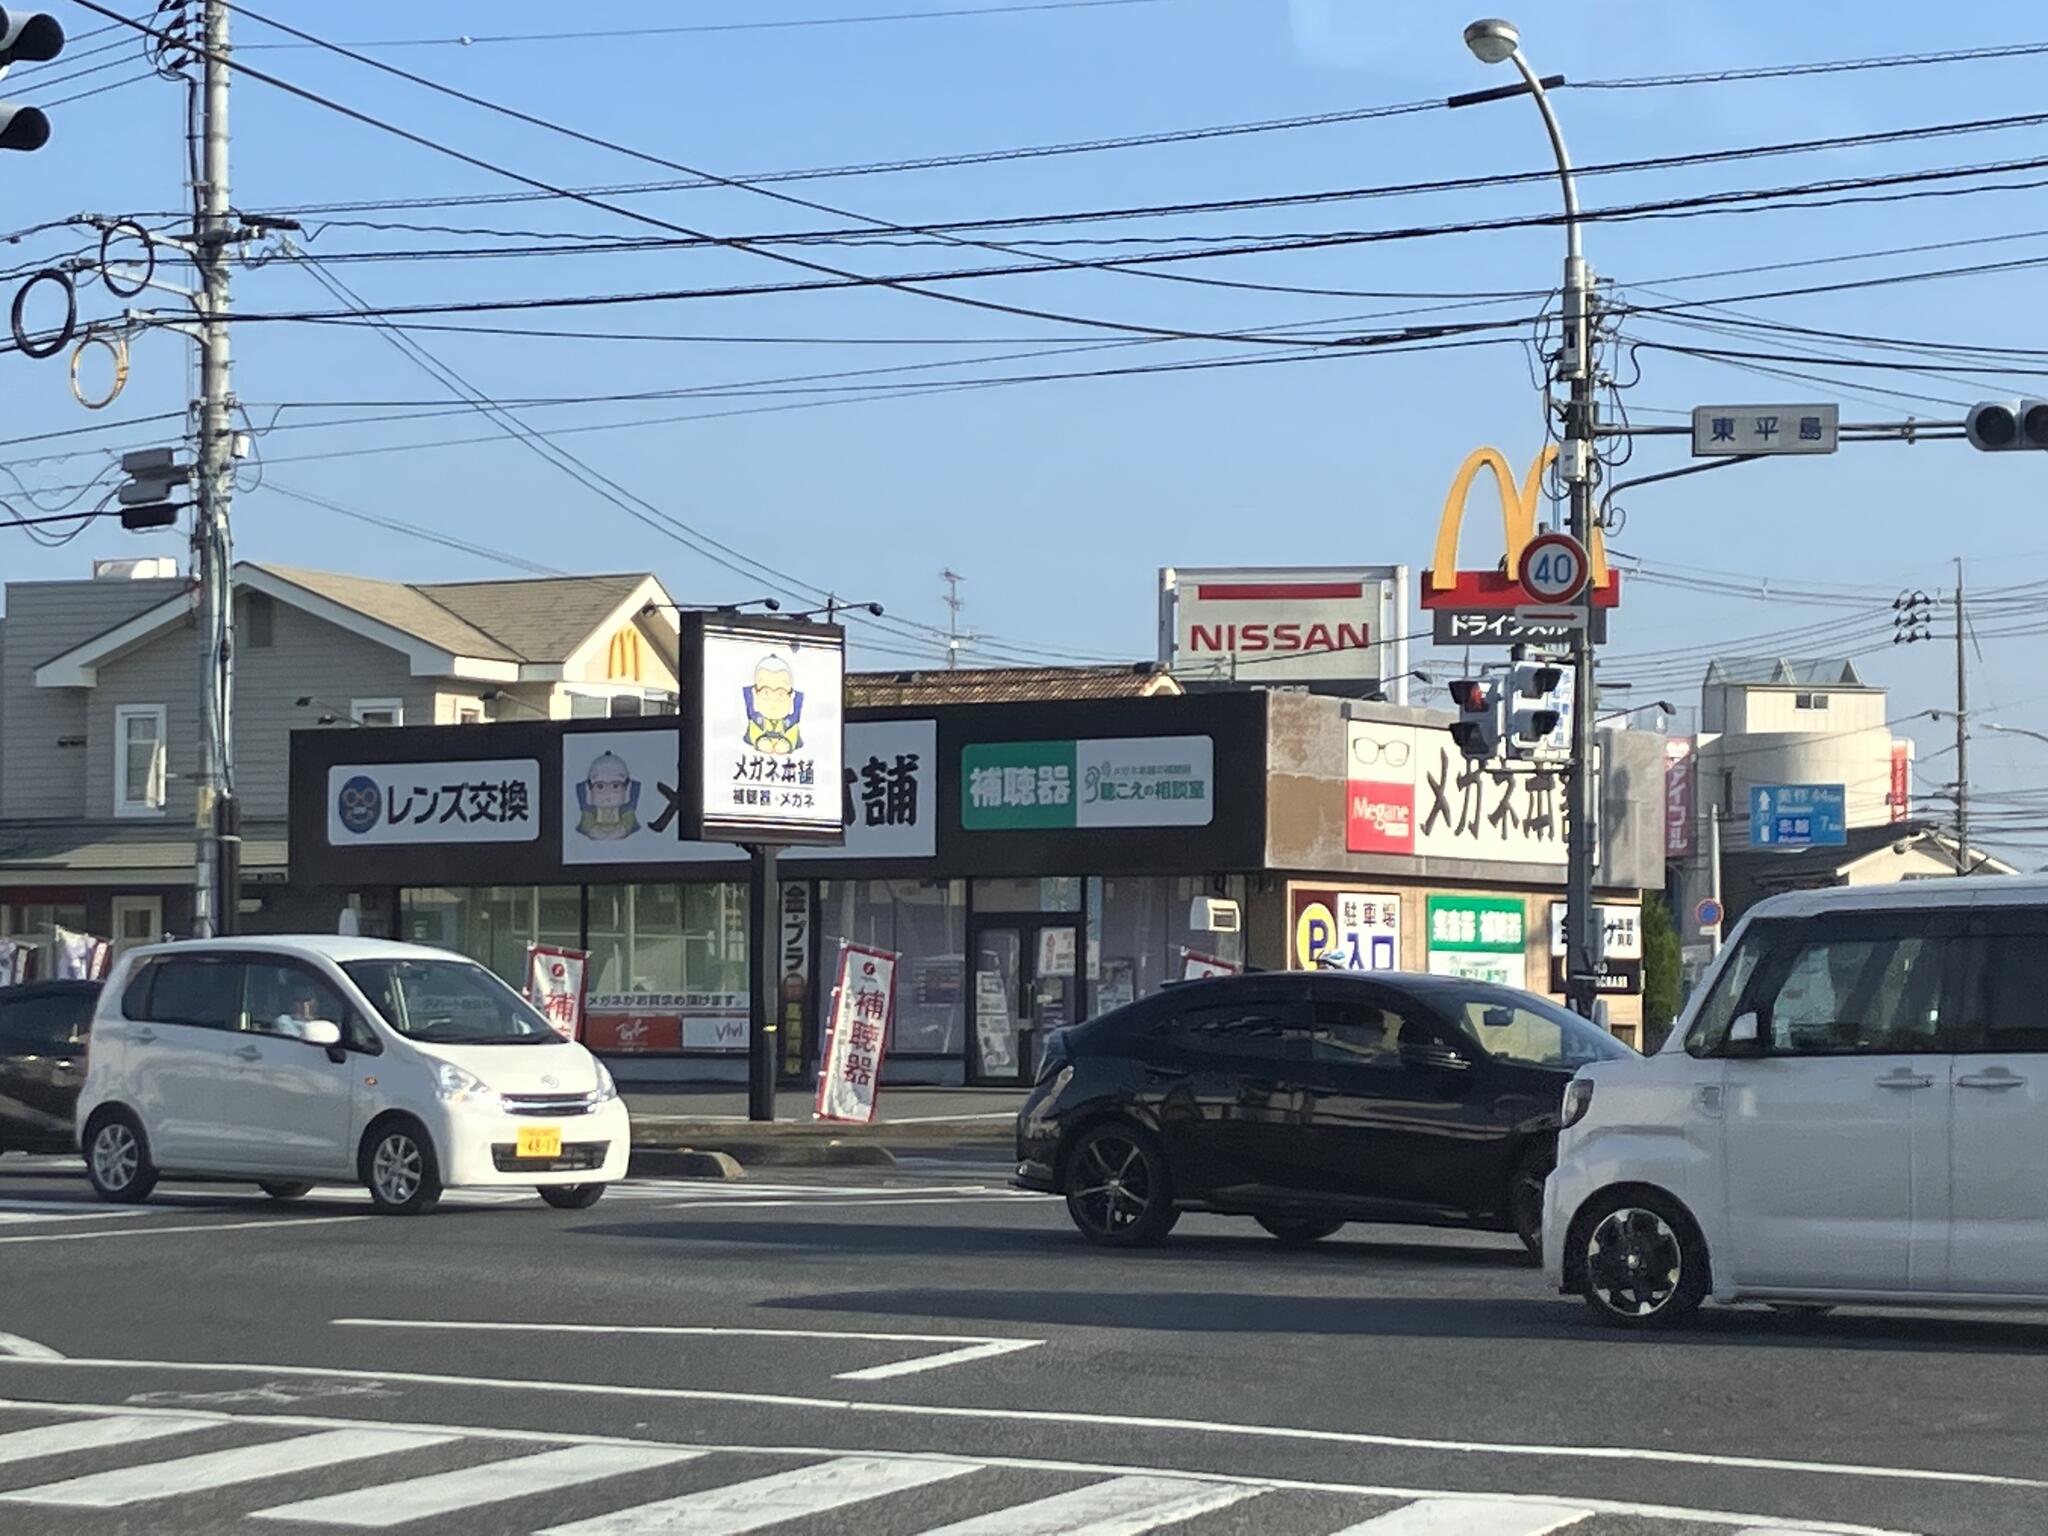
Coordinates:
<point>693,1131</point>
<point>738,1155</point>
<point>683,1163</point>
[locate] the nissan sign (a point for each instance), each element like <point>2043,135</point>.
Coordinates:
<point>1338,626</point>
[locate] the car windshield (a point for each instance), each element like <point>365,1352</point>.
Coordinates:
<point>449,1002</point>
<point>1521,1028</point>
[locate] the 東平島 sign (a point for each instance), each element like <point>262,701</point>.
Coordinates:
<point>1748,429</point>
<point>495,800</point>
<point>1798,816</point>
<point>862,1006</point>
<point>1131,781</point>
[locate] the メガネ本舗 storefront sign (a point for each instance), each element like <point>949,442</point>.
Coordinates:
<point>1345,930</point>
<point>1408,790</point>
<point>1622,965</point>
<point>1484,938</point>
<point>1130,781</point>
<point>492,800</point>
<point>771,706</point>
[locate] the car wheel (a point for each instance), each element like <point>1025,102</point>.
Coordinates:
<point>117,1158</point>
<point>1525,1200</point>
<point>1643,1261</point>
<point>572,1197</point>
<point>1299,1231</point>
<point>286,1189</point>
<point>1118,1190</point>
<point>400,1170</point>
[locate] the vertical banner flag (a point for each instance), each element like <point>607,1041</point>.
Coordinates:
<point>14,963</point>
<point>1679,768</point>
<point>1196,965</point>
<point>1900,800</point>
<point>554,985</point>
<point>863,1004</point>
<point>81,957</point>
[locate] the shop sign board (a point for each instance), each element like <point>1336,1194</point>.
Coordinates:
<point>662,1023</point>
<point>1483,938</point>
<point>1345,929</point>
<point>489,800</point>
<point>796,971</point>
<point>1266,625</point>
<point>1410,791</point>
<point>1133,781</point>
<point>1498,626</point>
<point>764,730</point>
<point>1900,799</point>
<point>1445,586</point>
<point>1680,767</point>
<point>1622,960</point>
<point>864,1002</point>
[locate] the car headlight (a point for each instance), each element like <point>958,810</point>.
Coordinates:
<point>607,1090</point>
<point>456,1086</point>
<point>1578,1098</point>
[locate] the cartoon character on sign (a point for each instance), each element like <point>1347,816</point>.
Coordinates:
<point>774,709</point>
<point>609,798</point>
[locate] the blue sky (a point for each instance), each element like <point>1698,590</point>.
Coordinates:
<point>1059,501</point>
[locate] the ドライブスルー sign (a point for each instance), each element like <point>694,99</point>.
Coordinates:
<point>494,800</point>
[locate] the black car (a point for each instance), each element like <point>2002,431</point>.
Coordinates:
<point>1306,1100</point>
<point>43,1029</point>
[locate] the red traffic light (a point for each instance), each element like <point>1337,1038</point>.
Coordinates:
<point>1470,697</point>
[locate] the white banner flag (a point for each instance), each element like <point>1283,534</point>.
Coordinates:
<point>14,963</point>
<point>81,957</point>
<point>554,985</point>
<point>1196,965</point>
<point>863,1005</point>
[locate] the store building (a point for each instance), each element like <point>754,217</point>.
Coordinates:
<point>1034,862</point>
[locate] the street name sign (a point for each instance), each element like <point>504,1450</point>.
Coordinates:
<point>1721,430</point>
<point>1797,816</point>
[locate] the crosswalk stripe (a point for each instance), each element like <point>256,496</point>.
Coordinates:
<point>1469,1517</point>
<point>444,1493</point>
<point>749,1506</point>
<point>219,1469</point>
<point>1123,1506</point>
<point>91,1434</point>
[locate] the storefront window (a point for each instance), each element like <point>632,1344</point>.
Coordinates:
<point>1139,938</point>
<point>1049,893</point>
<point>493,924</point>
<point>668,968</point>
<point>35,924</point>
<point>925,921</point>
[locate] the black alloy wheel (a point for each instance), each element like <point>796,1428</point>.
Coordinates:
<point>286,1189</point>
<point>1644,1264</point>
<point>1118,1190</point>
<point>1299,1231</point>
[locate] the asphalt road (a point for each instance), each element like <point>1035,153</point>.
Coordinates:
<point>922,1350</point>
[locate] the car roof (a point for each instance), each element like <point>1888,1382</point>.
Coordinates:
<point>339,948</point>
<point>1907,895</point>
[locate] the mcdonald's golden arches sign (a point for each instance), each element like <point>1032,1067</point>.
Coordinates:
<point>1446,586</point>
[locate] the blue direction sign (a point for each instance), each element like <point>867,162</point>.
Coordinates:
<point>1797,816</point>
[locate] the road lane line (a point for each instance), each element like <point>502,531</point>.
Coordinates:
<point>448,1493</point>
<point>1123,1506</point>
<point>220,1469</point>
<point>26,1349</point>
<point>740,1507</point>
<point>92,1434</point>
<point>986,1351</point>
<point>166,1230</point>
<point>1005,1197</point>
<point>1764,1524</point>
<point>1470,1517</point>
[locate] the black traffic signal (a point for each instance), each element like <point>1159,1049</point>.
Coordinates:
<point>2000,426</point>
<point>1477,728</point>
<point>31,37</point>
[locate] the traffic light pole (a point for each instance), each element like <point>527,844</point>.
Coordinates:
<point>216,893</point>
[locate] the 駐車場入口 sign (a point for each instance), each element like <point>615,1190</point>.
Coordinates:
<point>1133,781</point>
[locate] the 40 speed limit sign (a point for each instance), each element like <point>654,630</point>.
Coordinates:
<point>1554,568</point>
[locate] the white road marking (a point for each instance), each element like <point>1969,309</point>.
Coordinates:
<point>967,1346</point>
<point>91,1434</point>
<point>1065,1419</point>
<point>446,1493</point>
<point>166,1229</point>
<point>740,1507</point>
<point>26,1349</point>
<point>1008,1197</point>
<point>1123,1506</point>
<point>220,1469</point>
<point>1749,1523</point>
<point>1470,1517</point>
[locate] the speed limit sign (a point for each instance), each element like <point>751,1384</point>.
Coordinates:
<point>1553,568</point>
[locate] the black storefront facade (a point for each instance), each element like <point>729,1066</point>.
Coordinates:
<point>1033,863</point>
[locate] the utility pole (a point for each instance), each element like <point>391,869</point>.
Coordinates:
<point>954,603</point>
<point>216,906</point>
<point>1963,860</point>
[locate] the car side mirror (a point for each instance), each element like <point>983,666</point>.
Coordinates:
<point>322,1032</point>
<point>1745,1036</point>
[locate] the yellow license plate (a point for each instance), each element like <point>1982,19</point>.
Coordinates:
<point>540,1141</point>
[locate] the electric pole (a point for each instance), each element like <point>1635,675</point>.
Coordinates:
<point>1962,734</point>
<point>216,905</point>
<point>954,603</point>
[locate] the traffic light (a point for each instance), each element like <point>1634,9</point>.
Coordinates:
<point>35,38</point>
<point>2001,426</point>
<point>146,496</point>
<point>1532,706</point>
<point>1477,728</point>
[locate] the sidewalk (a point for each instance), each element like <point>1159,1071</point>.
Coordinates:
<point>713,1117</point>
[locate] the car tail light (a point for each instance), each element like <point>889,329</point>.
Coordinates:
<point>1578,1098</point>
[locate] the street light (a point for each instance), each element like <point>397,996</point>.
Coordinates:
<point>1494,41</point>
<point>1659,705</point>
<point>2016,730</point>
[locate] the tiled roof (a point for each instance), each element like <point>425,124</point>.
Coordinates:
<point>1008,685</point>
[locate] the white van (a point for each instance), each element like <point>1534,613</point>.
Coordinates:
<point>1852,1108</point>
<point>300,1061</point>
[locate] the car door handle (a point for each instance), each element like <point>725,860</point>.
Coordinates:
<point>1997,1077</point>
<point>1904,1079</point>
<point>249,1053</point>
<point>145,1036</point>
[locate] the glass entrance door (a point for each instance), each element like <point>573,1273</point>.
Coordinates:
<point>1027,983</point>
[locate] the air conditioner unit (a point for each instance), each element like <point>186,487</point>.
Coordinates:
<point>1213,914</point>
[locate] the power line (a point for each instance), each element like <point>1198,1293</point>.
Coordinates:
<point>1823,67</point>
<point>413,531</point>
